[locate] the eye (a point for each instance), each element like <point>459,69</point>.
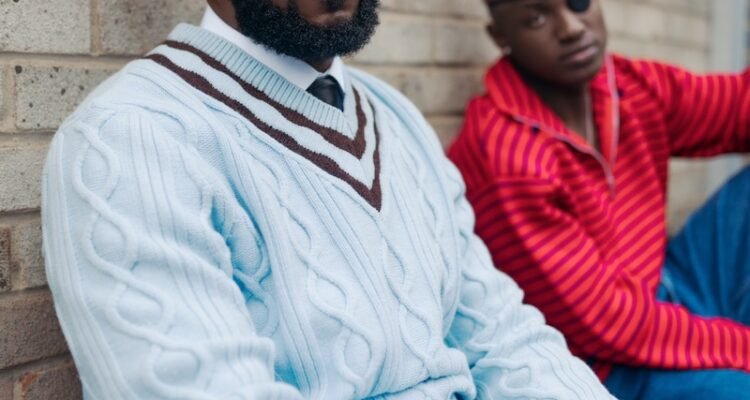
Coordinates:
<point>536,20</point>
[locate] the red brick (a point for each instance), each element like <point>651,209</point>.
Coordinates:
<point>58,383</point>
<point>6,388</point>
<point>5,261</point>
<point>29,329</point>
<point>20,173</point>
<point>27,261</point>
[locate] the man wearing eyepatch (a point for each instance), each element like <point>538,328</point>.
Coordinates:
<point>565,158</point>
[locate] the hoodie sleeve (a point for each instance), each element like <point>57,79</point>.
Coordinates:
<point>605,311</point>
<point>704,115</point>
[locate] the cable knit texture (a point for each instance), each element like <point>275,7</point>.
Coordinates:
<point>214,232</point>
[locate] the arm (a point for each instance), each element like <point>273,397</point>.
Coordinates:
<point>704,115</point>
<point>605,312</point>
<point>142,282</point>
<point>510,350</point>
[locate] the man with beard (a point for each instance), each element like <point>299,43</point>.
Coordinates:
<point>239,216</point>
<point>565,160</point>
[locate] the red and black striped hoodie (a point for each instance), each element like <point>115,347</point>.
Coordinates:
<point>583,231</point>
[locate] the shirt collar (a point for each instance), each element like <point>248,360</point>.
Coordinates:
<point>292,69</point>
<point>512,96</point>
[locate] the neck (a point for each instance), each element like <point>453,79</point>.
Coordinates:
<point>568,103</point>
<point>321,65</point>
<point>571,103</point>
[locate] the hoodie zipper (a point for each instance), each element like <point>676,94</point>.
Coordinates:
<point>606,167</point>
<point>609,176</point>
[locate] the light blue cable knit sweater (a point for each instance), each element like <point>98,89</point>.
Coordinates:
<point>213,232</point>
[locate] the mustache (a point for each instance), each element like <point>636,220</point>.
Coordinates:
<point>334,5</point>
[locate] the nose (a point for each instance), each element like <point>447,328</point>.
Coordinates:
<point>570,27</point>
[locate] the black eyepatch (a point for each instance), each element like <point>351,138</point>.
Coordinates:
<point>579,5</point>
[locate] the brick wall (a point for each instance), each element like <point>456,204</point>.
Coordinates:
<point>53,52</point>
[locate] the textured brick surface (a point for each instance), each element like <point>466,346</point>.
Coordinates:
<point>450,45</point>
<point>446,127</point>
<point>687,30</point>
<point>6,389</point>
<point>695,59</point>
<point>57,383</point>
<point>28,328</point>
<point>45,95</point>
<point>20,172</point>
<point>651,22</point>
<point>389,46</point>
<point>46,26</point>
<point>134,26</point>
<point>3,94</point>
<point>697,7</point>
<point>26,242</point>
<point>459,8</point>
<point>434,91</point>
<point>672,30</point>
<point>5,259</point>
<point>427,40</point>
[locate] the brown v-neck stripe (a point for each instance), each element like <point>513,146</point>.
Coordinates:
<point>355,147</point>
<point>373,195</point>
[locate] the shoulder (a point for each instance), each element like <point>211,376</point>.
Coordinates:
<point>493,145</point>
<point>381,90</point>
<point>647,78</point>
<point>386,98</point>
<point>106,148</point>
<point>640,67</point>
<point>140,97</point>
<point>126,118</point>
<point>468,145</point>
<point>485,122</point>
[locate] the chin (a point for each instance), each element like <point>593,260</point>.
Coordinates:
<point>583,74</point>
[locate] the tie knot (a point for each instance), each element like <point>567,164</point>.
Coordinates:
<point>327,90</point>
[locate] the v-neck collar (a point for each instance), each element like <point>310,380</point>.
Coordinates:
<point>342,144</point>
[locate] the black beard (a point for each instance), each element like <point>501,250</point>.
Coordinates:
<point>287,32</point>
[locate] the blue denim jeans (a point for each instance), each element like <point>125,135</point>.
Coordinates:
<point>707,270</point>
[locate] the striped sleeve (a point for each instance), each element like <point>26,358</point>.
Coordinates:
<point>705,115</point>
<point>605,313</point>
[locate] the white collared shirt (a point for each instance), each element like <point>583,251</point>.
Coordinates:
<point>292,69</point>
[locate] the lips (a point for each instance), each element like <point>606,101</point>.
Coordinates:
<point>334,5</point>
<point>581,55</point>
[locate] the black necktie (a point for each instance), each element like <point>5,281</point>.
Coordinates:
<point>328,91</point>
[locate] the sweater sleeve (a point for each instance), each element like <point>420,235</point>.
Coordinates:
<point>142,281</point>
<point>605,312</point>
<point>705,115</point>
<point>512,353</point>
